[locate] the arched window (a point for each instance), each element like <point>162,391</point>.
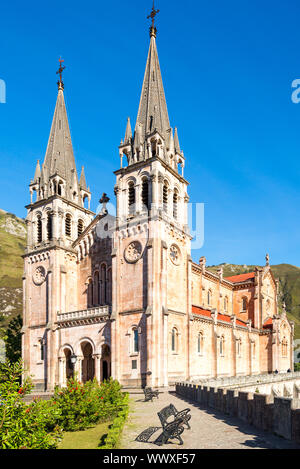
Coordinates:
<point>54,187</point>
<point>244,304</point>
<point>209,297</point>
<point>131,198</point>
<point>39,231</point>
<point>49,227</point>
<point>96,288</point>
<point>174,340</point>
<point>175,204</point>
<point>90,294</point>
<point>135,339</point>
<point>103,298</point>
<point>86,201</point>
<point>145,194</point>
<point>109,286</point>
<point>222,346</point>
<point>200,343</point>
<point>226,303</point>
<point>165,196</point>
<point>68,225</point>
<point>80,227</point>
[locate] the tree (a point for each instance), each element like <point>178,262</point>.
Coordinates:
<point>13,339</point>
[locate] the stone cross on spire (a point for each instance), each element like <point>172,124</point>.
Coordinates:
<point>59,72</point>
<point>152,15</point>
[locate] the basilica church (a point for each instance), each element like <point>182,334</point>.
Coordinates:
<point>120,295</point>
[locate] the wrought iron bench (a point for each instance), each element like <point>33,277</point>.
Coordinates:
<point>149,394</point>
<point>172,430</point>
<point>169,411</point>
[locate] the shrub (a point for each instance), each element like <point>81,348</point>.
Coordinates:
<point>116,428</point>
<point>296,366</point>
<point>24,426</point>
<point>84,405</point>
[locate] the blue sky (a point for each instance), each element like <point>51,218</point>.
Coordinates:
<point>227,70</point>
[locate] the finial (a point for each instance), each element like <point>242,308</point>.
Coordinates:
<point>59,72</point>
<point>104,201</point>
<point>267,259</point>
<point>152,15</point>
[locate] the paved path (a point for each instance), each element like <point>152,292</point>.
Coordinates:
<point>209,429</point>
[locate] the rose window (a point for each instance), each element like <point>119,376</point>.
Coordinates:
<point>39,275</point>
<point>175,254</point>
<point>133,252</point>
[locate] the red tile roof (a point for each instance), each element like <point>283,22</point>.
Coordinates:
<point>268,324</point>
<point>203,312</point>
<point>241,277</point>
<point>221,317</point>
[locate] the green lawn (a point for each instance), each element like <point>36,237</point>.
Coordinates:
<point>87,439</point>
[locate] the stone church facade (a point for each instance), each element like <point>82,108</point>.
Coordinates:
<point>120,296</point>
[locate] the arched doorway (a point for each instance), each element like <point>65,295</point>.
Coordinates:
<point>88,365</point>
<point>69,366</point>
<point>105,363</point>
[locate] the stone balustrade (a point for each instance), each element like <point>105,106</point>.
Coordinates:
<point>276,415</point>
<point>95,313</point>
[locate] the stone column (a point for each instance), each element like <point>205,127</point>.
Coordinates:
<point>55,222</point>
<point>185,214</point>
<point>114,312</point>
<point>97,361</point>
<point>160,192</point>
<point>25,330</point>
<point>78,367</point>
<point>215,340</point>
<point>117,194</point>
<point>62,371</point>
<point>166,347</point>
<point>153,192</point>
<point>63,275</point>
<point>160,333</point>
<point>138,202</point>
<point>189,335</point>
<point>233,345</point>
<point>44,228</point>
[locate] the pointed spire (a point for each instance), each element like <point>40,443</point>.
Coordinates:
<point>128,133</point>
<point>37,173</point>
<point>153,104</point>
<point>82,182</point>
<point>176,142</point>
<point>59,158</point>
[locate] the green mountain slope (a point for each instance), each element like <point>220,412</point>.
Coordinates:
<point>12,245</point>
<point>289,286</point>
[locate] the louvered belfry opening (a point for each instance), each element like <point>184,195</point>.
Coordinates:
<point>165,197</point>
<point>131,198</point>
<point>175,205</point>
<point>80,227</point>
<point>49,227</point>
<point>68,225</point>
<point>145,194</point>
<point>39,230</point>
